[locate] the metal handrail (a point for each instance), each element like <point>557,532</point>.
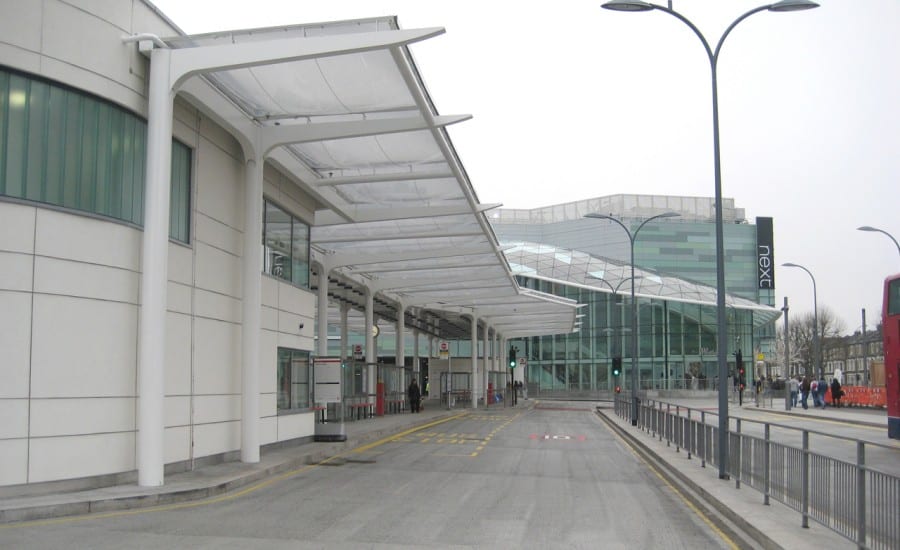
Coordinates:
<point>852,499</point>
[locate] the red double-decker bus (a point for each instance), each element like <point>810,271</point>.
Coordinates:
<point>891,330</point>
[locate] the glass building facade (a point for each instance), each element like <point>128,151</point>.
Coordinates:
<point>675,288</point>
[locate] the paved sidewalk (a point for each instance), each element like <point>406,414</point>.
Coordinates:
<point>775,525</point>
<point>208,481</point>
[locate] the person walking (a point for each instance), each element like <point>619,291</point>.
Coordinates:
<point>836,392</point>
<point>804,392</point>
<point>795,389</point>
<point>414,395</point>
<point>820,391</point>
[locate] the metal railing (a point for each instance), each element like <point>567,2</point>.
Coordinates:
<point>859,503</point>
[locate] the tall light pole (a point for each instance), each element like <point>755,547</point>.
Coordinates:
<point>817,352</point>
<point>891,237</point>
<point>615,292</point>
<point>634,335</point>
<point>721,337</point>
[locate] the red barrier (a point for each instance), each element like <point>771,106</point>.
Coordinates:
<point>860,396</point>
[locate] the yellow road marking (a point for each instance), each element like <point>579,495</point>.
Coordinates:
<point>226,497</point>
<point>679,494</point>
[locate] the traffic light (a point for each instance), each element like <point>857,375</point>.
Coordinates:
<point>617,366</point>
<point>618,389</point>
<point>512,358</point>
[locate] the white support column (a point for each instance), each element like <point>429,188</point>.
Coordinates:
<point>252,306</point>
<point>154,275</point>
<point>322,312</point>
<point>485,361</point>
<point>371,356</point>
<point>345,311</point>
<point>474,339</point>
<point>400,344</point>
<point>416,361</point>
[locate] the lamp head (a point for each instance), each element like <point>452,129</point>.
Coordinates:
<point>628,5</point>
<point>793,5</point>
<point>789,264</point>
<point>866,228</point>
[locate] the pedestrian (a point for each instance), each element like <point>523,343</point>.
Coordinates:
<point>415,396</point>
<point>795,389</point>
<point>836,392</point>
<point>821,388</point>
<point>804,392</point>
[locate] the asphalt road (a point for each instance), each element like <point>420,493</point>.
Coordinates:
<point>547,477</point>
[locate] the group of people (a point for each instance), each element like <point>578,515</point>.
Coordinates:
<point>803,388</point>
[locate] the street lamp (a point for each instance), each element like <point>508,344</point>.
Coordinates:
<point>891,237</point>
<point>634,312</point>
<point>817,361</point>
<point>721,337</point>
<point>615,292</point>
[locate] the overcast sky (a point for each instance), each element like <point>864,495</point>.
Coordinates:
<point>571,101</point>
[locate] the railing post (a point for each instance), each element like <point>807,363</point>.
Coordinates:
<point>668,424</point>
<point>690,434</point>
<point>703,436</point>
<point>804,482</point>
<point>861,494</point>
<point>766,464</point>
<point>737,455</point>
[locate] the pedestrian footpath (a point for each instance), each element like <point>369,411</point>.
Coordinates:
<point>769,526</point>
<point>211,480</point>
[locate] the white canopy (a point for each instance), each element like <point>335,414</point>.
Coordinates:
<point>357,131</point>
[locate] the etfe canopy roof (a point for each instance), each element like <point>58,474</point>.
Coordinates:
<point>574,268</point>
<point>356,129</point>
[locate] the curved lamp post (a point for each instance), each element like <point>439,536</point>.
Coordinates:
<point>817,356</point>
<point>634,335</point>
<point>722,337</point>
<point>891,237</point>
<point>615,292</point>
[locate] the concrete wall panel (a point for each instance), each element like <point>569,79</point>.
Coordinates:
<point>209,409</point>
<point>82,280</point>
<point>83,348</point>
<point>15,343</point>
<point>218,270</point>
<point>16,273</point>
<point>178,354</point>
<point>218,438</point>
<point>16,226</point>
<point>292,426</point>
<point>86,239</point>
<point>217,357</point>
<point>53,417</point>
<point>13,461</point>
<point>54,458</point>
<point>14,413</point>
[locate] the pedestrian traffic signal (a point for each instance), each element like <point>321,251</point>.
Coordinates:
<point>512,358</point>
<point>617,366</point>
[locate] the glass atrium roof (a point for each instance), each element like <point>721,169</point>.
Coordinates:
<point>574,268</point>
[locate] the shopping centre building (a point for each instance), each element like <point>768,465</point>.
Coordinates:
<point>558,249</point>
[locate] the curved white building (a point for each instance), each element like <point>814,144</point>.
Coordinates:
<point>137,334</point>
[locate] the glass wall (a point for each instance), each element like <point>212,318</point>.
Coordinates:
<point>286,242</point>
<point>62,147</point>
<point>293,379</point>
<point>676,343</point>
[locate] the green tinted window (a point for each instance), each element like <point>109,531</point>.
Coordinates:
<point>286,243</point>
<point>65,148</point>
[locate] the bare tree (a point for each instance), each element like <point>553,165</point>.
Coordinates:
<point>800,335</point>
